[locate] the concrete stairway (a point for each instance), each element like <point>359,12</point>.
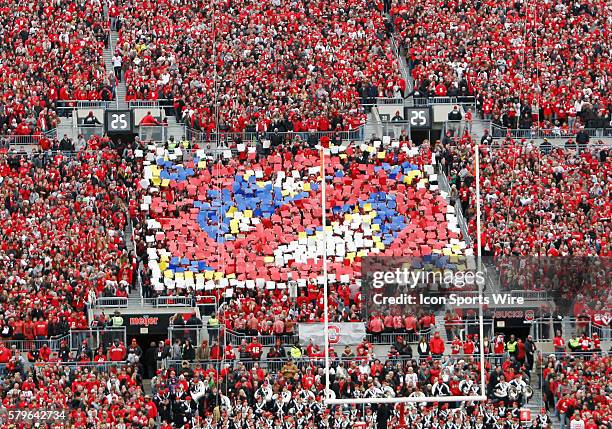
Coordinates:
<point>121,89</point>
<point>174,129</point>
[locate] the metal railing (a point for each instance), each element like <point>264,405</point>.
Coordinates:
<point>497,131</point>
<point>544,329</point>
<point>461,221</point>
<point>146,104</point>
<point>66,107</point>
<point>111,302</point>
<point>25,345</point>
<point>171,301</point>
<point>207,304</point>
<point>195,334</point>
<point>467,100</point>
<point>264,139</point>
<point>383,338</point>
<point>104,366</point>
<point>235,338</point>
<point>394,129</point>
<point>167,301</point>
<point>88,131</point>
<point>391,337</point>
<point>17,140</point>
<point>531,295</point>
<point>157,133</point>
<point>304,362</point>
<point>388,100</point>
<point>97,336</point>
<point>403,66</point>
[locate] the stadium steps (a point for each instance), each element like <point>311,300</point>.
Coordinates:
<point>146,386</point>
<point>373,126</point>
<point>536,402</point>
<point>68,127</point>
<point>399,52</point>
<point>120,90</point>
<point>174,129</point>
<point>129,244</point>
<point>405,70</point>
<point>478,128</point>
<point>440,326</point>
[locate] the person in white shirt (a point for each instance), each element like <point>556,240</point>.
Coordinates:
<point>577,422</point>
<point>411,379</point>
<point>117,62</point>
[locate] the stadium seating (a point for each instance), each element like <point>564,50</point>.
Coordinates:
<point>304,63</point>
<point>51,51</point>
<point>62,224</point>
<point>515,57</point>
<point>536,202</point>
<point>239,223</point>
<point>211,391</point>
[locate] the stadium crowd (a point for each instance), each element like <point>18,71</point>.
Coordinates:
<point>103,387</point>
<point>302,66</point>
<point>62,223</point>
<point>52,51</point>
<point>552,202</point>
<point>541,64</point>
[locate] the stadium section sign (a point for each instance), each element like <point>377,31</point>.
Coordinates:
<point>118,121</point>
<point>419,118</point>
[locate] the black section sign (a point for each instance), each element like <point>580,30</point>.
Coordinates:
<point>419,118</point>
<point>119,121</point>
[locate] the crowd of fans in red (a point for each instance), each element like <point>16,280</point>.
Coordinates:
<point>52,52</point>
<point>62,224</point>
<point>529,64</point>
<point>303,65</point>
<point>294,67</point>
<point>285,388</point>
<point>535,202</point>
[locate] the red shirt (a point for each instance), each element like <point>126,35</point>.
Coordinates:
<point>436,345</point>
<point>41,329</point>
<point>5,354</point>
<point>116,353</point>
<point>255,350</point>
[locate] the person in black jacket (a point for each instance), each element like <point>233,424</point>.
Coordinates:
<point>188,351</point>
<point>582,138</point>
<point>150,360</point>
<point>66,144</point>
<point>530,349</point>
<point>84,348</point>
<point>134,352</point>
<point>91,120</point>
<point>402,347</point>
<point>455,117</point>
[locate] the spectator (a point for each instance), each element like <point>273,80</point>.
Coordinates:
<point>134,352</point>
<point>117,352</point>
<point>188,351</point>
<point>91,120</point>
<point>202,353</point>
<point>436,345</point>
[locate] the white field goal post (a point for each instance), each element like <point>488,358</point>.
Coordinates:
<point>328,400</point>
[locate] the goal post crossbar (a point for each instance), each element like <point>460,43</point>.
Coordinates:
<point>404,399</point>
